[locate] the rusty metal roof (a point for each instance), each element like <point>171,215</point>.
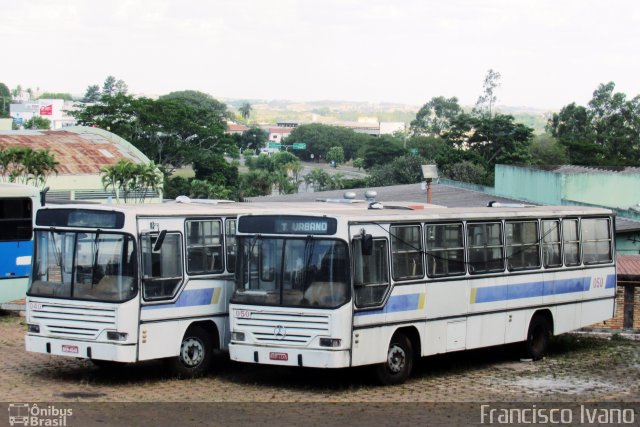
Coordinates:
<point>78,150</point>
<point>628,265</point>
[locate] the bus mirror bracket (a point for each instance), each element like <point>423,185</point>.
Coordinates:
<point>367,244</point>
<point>158,244</point>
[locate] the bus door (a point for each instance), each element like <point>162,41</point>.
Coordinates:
<point>371,292</point>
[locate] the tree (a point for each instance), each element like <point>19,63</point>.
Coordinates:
<point>467,171</point>
<point>605,132</point>
<point>121,87</point>
<point>320,138</point>
<point>486,101</point>
<point>25,165</point>
<point>5,100</point>
<point>130,180</point>
<point>109,86</point>
<point>402,170</point>
<point>256,183</point>
<point>358,163</point>
<point>318,178</point>
<point>335,155</point>
<point>572,128</point>
<point>253,139</point>
<point>614,131</point>
<point>384,150</point>
<point>546,150</point>
<point>214,169</point>
<point>92,94</point>
<point>202,102</point>
<point>500,140</point>
<point>175,130</point>
<point>56,95</point>
<point>245,110</point>
<point>438,151</point>
<point>434,118</point>
<point>37,122</point>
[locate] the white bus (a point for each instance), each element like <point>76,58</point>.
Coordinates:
<point>17,204</point>
<point>383,287</point>
<point>127,283</point>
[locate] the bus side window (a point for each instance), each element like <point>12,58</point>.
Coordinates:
<point>486,253</point>
<point>406,252</point>
<point>162,270</point>
<point>551,248</point>
<point>571,242</point>
<point>523,247</point>
<point>231,244</point>
<point>371,275</point>
<point>204,247</point>
<point>596,240</point>
<point>445,249</point>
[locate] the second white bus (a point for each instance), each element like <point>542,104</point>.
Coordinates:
<point>384,287</point>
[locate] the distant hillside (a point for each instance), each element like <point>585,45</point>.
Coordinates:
<point>273,111</point>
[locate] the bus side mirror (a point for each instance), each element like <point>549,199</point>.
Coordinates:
<point>367,244</point>
<point>159,241</point>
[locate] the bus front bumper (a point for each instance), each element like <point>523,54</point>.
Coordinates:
<point>81,349</point>
<point>289,356</point>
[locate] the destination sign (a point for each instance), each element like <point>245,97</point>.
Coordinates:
<point>287,224</point>
<point>81,218</point>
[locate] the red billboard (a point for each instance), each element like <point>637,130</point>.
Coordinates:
<point>46,110</point>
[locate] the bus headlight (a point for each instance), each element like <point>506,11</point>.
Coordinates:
<point>117,336</point>
<point>237,336</point>
<point>34,329</point>
<point>330,342</point>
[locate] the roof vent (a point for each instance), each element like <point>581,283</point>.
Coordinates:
<point>349,195</point>
<point>370,195</point>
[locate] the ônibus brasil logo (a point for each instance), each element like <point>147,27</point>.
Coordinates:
<point>27,414</point>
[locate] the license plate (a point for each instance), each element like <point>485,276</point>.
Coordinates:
<point>70,349</point>
<point>278,356</point>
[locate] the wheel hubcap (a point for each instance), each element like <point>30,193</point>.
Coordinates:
<point>191,352</point>
<point>396,358</point>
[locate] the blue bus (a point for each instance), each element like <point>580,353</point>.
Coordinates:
<point>17,206</point>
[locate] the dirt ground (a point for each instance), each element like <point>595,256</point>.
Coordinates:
<point>444,390</point>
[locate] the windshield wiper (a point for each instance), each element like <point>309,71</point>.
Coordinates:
<point>96,249</point>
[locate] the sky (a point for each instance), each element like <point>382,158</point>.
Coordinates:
<point>549,53</point>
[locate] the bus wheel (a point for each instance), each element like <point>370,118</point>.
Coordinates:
<point>399,363</point>
<point>537,343</point>
<point>196,353</point>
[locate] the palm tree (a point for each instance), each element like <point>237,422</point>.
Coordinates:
<point>127,178</point>
<point>245,110</point>
<point>110,179</point>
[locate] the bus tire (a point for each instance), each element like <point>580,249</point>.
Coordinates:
<point>397,368</point>
<point>538,336</point>
<point>195,355</point>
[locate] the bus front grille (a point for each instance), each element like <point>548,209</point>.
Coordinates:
<point>285,328</point>
<point>71,321</point>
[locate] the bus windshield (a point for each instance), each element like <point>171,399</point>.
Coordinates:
<point>85,266</point>
<point>292,272</point>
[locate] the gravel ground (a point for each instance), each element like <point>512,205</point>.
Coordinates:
<point>578,369</point>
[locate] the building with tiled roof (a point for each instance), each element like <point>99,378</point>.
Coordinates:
<point>235,128</point>
<point>81,152</point>
<point>277,134</point>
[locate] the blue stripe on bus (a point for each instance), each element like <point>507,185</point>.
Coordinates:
<point>396,303</point>
<point>611,281</point>
<point>531,290</point>
<point>409,302</point>
<point>188,298</point>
